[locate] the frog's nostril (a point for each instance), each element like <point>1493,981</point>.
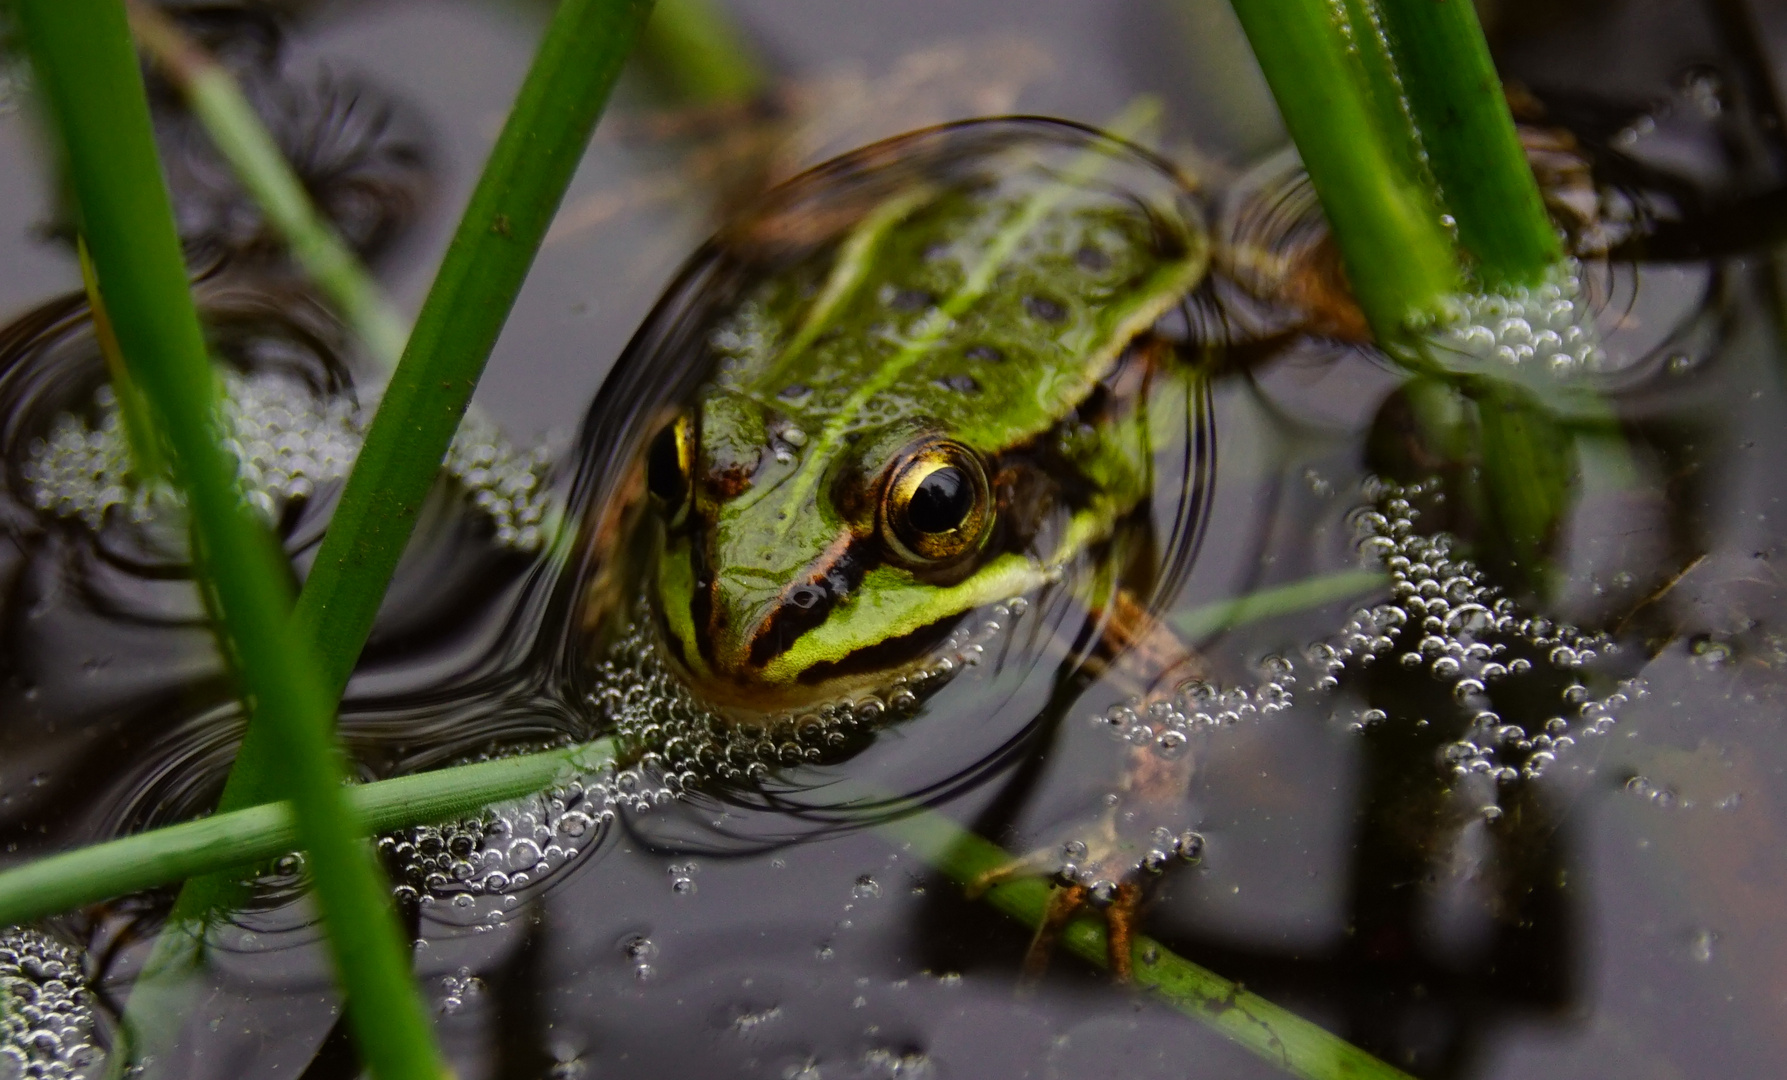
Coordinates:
<point>803,607</point>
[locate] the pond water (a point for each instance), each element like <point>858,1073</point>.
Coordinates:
<point>1477,818</point>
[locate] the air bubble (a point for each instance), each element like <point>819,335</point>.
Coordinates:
<point>288,442</point>
<point>48,1018</point>
<point>1447,618</point>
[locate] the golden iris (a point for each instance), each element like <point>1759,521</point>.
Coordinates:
<point>937,505</point>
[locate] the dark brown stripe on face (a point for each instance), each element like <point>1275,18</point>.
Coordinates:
<point>807,601</point>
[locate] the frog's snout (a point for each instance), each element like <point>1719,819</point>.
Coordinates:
<point>756,615</point>
<point>753,625</point>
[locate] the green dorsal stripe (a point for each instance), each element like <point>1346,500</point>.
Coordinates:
<point>933,327</point>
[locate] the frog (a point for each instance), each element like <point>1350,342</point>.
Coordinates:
<point>912,385</point>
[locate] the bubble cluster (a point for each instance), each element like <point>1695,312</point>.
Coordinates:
<point>504,481</point>
<point>285,440</point>
<point>450,866</point>
<point>640,951</point>
<point>288,442</point>
<point>679,743</point>
<point>1547,327</point>
<point>1168,722</point>
<point>1658,795</point>
<point>897,1064</point>
<point>1445,618</point>
<point>48,1023</point>
<point>1442,617</point>
<point>459,988</point>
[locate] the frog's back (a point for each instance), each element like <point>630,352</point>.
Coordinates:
<point>985,273</point>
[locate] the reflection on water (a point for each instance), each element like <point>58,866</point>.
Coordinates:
<point>1431,813</point>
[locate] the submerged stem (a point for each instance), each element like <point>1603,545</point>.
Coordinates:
<point>1271,1031</point>
<point>694,50</point>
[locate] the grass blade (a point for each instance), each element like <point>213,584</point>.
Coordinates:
<point>260,166</point>
<point>87,69</point>
<point>1284,599</point>
<point>516,197</point>
<point>540,146</point>
<point>241,838</point>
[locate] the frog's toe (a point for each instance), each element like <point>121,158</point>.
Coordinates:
<point>1045,861</point>
<point>1065,901</point>
<point>1119,927</point>
<point>1119,903</point>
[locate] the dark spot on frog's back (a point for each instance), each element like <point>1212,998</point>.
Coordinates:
<point>961,384</point>
<point>1091,258</point>
<point>1045,309</point>
<point>910,300</point>
<point>986,354</point>
<point>794,392</point>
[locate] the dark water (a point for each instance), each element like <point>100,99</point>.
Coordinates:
<point>1612,916</point>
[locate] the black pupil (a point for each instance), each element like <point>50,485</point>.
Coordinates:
<point>664,467</point>
<point>941,501</point>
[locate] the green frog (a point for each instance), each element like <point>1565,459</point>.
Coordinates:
<point>924,376</point>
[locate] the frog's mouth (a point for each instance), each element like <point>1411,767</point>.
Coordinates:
<point>893,669</point>
<point>664,715</point>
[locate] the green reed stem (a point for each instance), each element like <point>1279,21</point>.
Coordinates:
<point>261,167</point>
<point>1271,1031</point>
<point>238,840</point>
<point>1444,64</point>
<point>525,178</point>
<point>139,427</point>
<point>516,197</point>
<point>1363,27</point>
<point>1398,257</point>
<point>87,70</point>
<point>522,184</point>
<point>694,50</point>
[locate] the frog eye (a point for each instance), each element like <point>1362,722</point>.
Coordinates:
<point>937,505</point>
<point>670,468</point>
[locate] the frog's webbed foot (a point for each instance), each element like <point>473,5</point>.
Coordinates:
<point>1106,875</point>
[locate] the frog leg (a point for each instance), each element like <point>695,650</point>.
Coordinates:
<point>1110,868</point>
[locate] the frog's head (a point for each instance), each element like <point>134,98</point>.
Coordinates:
<point>789,577</point>
<point>870,458</point>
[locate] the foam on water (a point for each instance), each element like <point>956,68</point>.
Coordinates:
<point>473,869</point>
<point>1547,328</point>
<point>48,1024</point>
<point>1443,617</point>
<point>288,442</point>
